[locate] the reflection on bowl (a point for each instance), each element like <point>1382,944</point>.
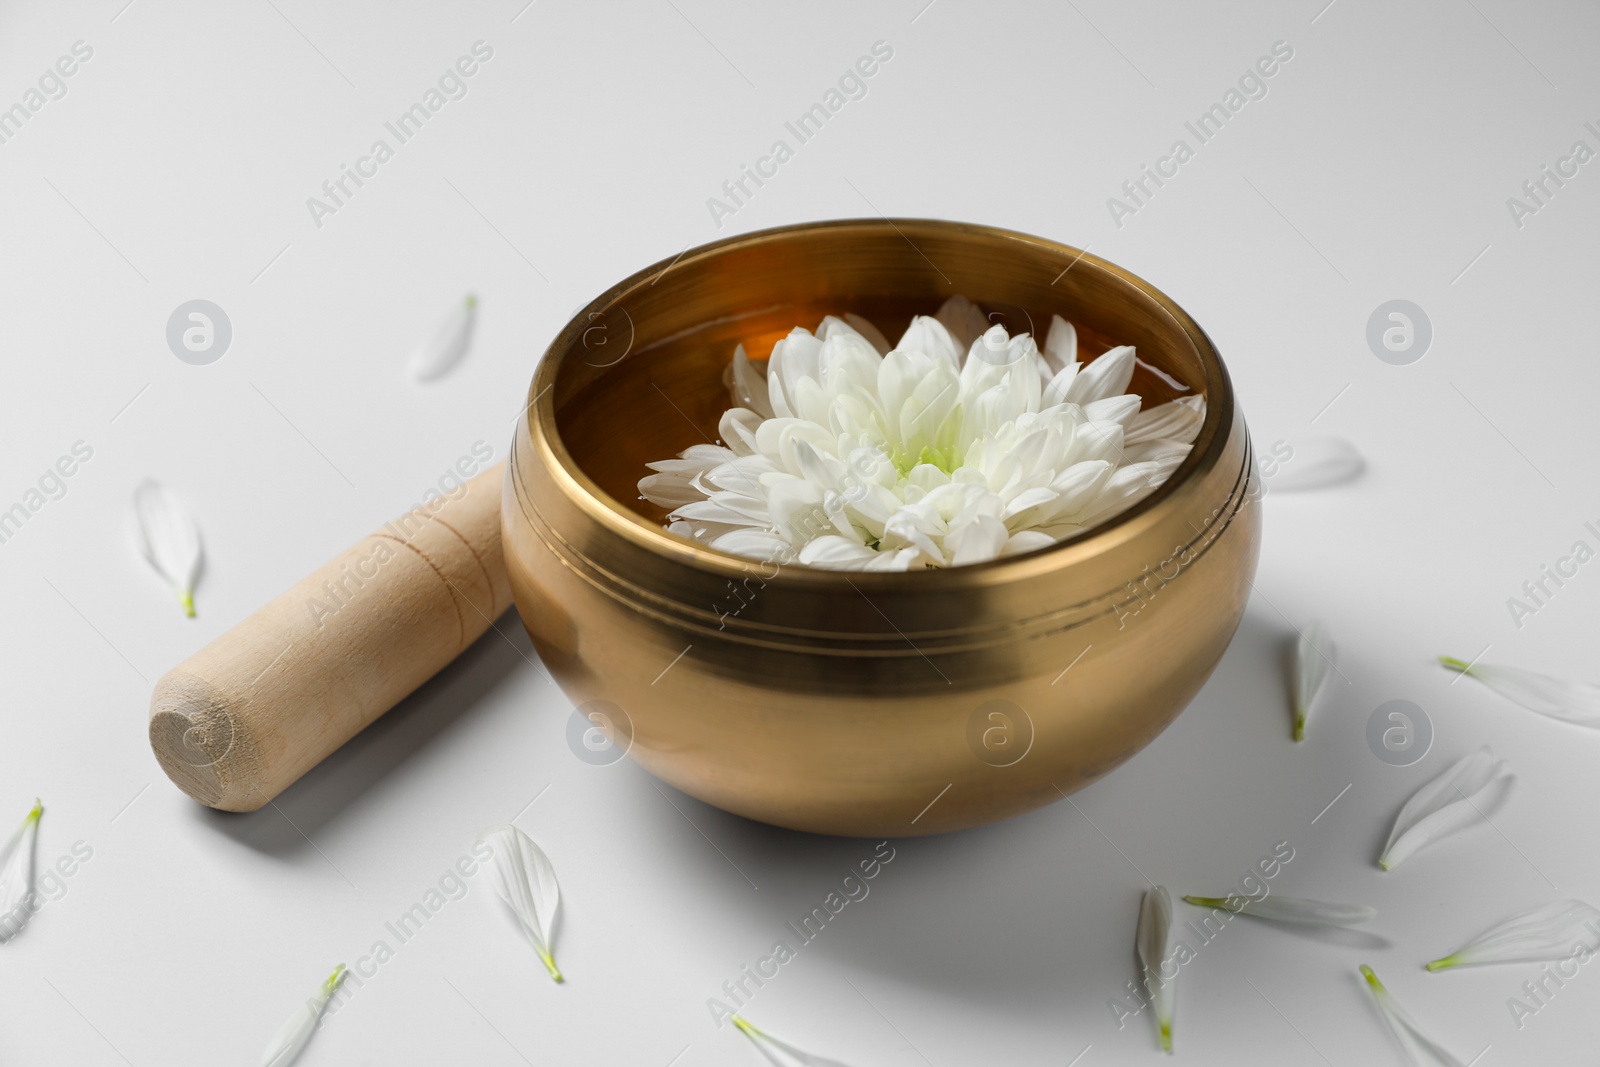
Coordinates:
<point>866,704</point>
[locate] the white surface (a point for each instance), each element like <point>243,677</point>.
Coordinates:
<point>1378,166</point>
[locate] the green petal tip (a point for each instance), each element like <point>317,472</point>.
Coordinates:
<point>186,598</point>
<point>1441,964</point>
<point>1459,666</point>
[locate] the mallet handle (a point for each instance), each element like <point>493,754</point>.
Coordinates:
<point>245,716</point>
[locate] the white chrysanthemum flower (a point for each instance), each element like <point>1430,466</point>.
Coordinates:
<point>936,453</point>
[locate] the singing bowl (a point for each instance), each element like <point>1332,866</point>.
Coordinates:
<point>865,704</point>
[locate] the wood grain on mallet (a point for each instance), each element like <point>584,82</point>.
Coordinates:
<point>245,716</point>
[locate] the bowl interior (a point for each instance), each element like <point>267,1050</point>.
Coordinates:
<point>637,376</point>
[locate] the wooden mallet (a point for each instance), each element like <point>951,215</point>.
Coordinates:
<point>240,720</point>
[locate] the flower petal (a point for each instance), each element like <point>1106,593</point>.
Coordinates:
<point>1317,463</point>
<point>1315,656</point>
<point>291,1038</point>
<point>1108,375</point>
<point>1152,942</point>
<point>1126,487</point>
<point>871,333</point>
<point>1057,388</point>
<point>1060,344</point>
<point>1118,409</point>
<point>836,553</point>
<point>964,320</point>
<point>748,384</point>
<point>18,863</point>
<point>1026,541</point>
<point>526,881</point>
<point>169,539</point>
<point>978,541</point>
<point>779,1052</point>
<point>1157,451</point>
<point>1291,909</point>
<point>927,335</point>
<point>1155,371</point>
<point>794,357</point>
<point>1418,1048</point>
<point>737,428</point>
<point>1178,420</point>
<point>754,544</point>
<point>448,345</point>
<point>1558,698</point>
<point>675,482</point>
<point>1459,797</point>
<point>1554,932</point>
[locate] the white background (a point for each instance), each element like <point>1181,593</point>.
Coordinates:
<point>1377,167</point>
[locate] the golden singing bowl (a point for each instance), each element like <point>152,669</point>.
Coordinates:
<point>865,704</point>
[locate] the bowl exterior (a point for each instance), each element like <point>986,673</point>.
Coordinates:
<point>884,705</point>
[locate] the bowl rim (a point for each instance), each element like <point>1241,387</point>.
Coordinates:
<point>538,418</point>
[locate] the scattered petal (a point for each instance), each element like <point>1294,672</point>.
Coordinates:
<point>1554,932</point>
<point>18,860</point>
<point>1153,943</point>
<point>1558,698</point>
<point>1317,463</point>
<point>526,881</point>
<point>1291,910</point>
<point>169,539</point>
<point>287,1043</point>
<point>1459,797</point>
<point>448,345</point>
<point>780,1052</point>
<point>1315,656</point>
<point>1419,1049</point>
